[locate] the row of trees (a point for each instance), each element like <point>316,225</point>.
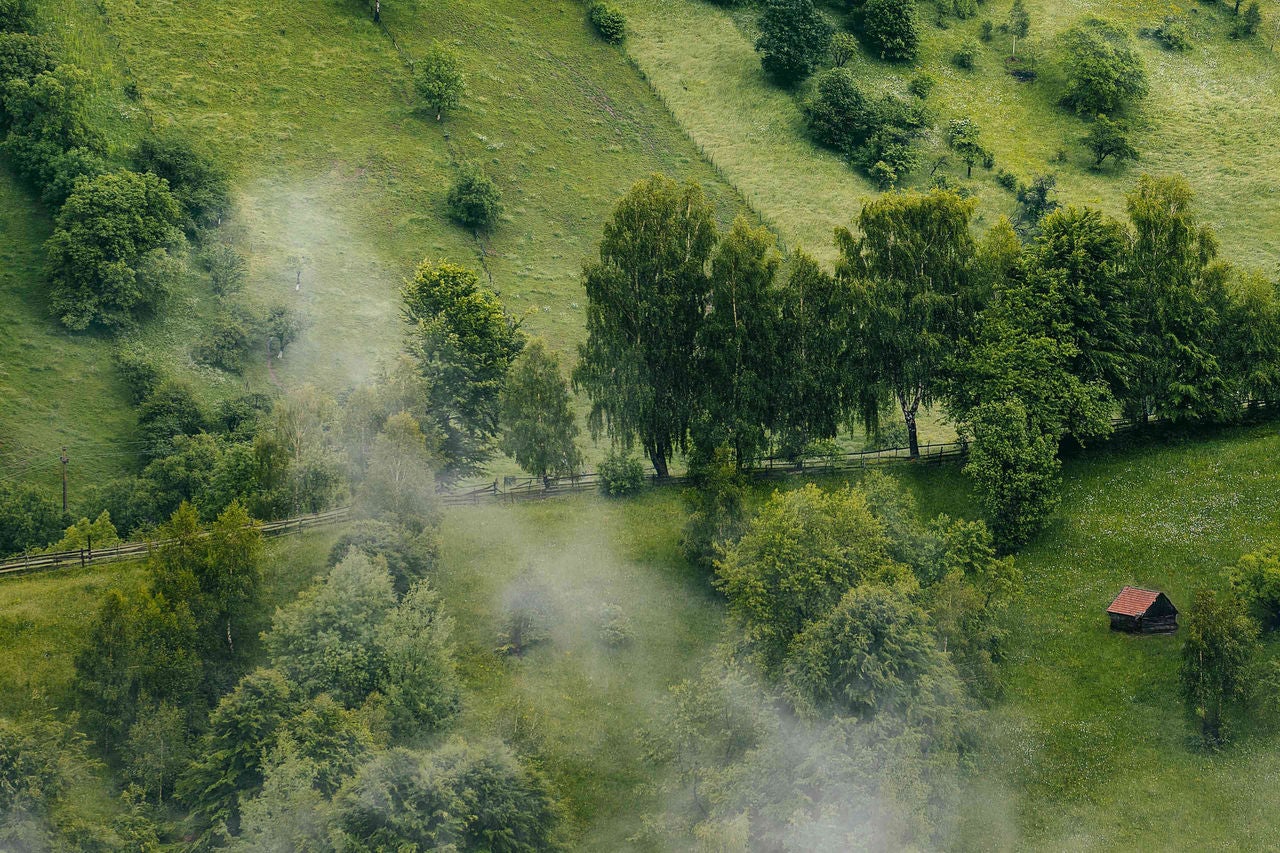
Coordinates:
<point>697,340</point>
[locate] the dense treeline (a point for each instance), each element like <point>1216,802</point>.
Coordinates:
<point>698,340</point>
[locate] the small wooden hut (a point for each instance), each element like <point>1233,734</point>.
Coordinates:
<point>1143,611</point>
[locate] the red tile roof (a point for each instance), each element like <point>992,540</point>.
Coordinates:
<point>1133,601</point>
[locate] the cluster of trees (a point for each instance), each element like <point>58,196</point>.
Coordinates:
<point>698,341</point>
<point>322,732</point>
<point>1224,671</point>
<point>863,646</point>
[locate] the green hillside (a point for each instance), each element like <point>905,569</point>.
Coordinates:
<point>1206,116</point>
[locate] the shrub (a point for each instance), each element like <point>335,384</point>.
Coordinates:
<point>922,84</point>
<point>47,114</point>
<point>610,23</point>
<point>985,32</point>
<point>137,369</point>
<point>621,474</point>
<point>60,173</point>
<point>891,28</point>
<point>614,626</point>
<point>838,114</point>
<point>200,185</point>
<point>1247,24</point>
<point>226,268</point>
<point>1174,34</point>
<point>1104,73</point>
<point>109,254</point>
<point>1007,179</point>
<point>844,47</point>
<point>438,79</point>
<point>15,15</point>
<point>24,56</point>
<point>794,39</point>
<point>1256,580</point>
<point>474,200</point>
<point>967,55</point>
<point>28,519</point>
<point>224,345</point>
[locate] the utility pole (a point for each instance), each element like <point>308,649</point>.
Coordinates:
<point>65,460</point>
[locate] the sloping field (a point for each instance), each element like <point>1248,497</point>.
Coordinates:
<point>1208,116</point>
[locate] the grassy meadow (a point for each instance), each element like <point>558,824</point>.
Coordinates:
<point>1206,117</point>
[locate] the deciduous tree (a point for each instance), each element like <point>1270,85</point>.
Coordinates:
<point>539,429</point>
<point>1221,640</point>
<point>646,301</point>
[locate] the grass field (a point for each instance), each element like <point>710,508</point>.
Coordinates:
<point>1206,117</point>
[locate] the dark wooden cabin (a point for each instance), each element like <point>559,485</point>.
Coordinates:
<point>1143,611</point>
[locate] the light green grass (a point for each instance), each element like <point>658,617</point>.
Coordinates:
<point>55,390</point>
<point>574,707</point>
<point>1207,117</point>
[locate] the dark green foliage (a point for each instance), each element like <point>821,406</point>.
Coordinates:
<point>28,519</point>
<point>199,184</point>
<point>646,299</point>
<point>1247,24</point>
<point>873,653</point>
<point>474,200</point>
<point>1256,582</point>
<point>814,341</point>
<point>463,342</point>
<point>327,640</point>
<point>15,16</point>
<point>1179,302</point>
<point>964,138</point>
<point>239,417</point>
<point>40,762</point>
<point>420,686</point>
<point>410,558</point>
<point>843,48</point>
<point>876,133</point>
<point>333,741</point>
<point>793,41</point>
<point>739,341</point>
<point>966,56</point>
<point>1015,469</point>
<point>225,345</point>
<point>539,429</point>
<point>169,410</point>
<point>985,32</point>
<point>24,56</point>
<point>838,114</point>
<point>909,272</point>
<point>46,115</point>
<point>1019,21</point>
<point>1174,34</point>
<point>795,561</point>
<point>1008,180</point>
<point>609,22</point>
<point>108,257</point>
<point>226,268</point>
<point>621,474</point>
<point>283,325</point>
<point>1221,642</point>
<point>1109,139</point>
<point>438,80</point>
<point>715,508</point>
<point>1104,72</point>
<point>1037,200</point>
<point>891,28</point>
<point>460,797</point>
<point>157,749</point>
<point>64,170</point>
<point>232,753</point>
<point>921,85</point>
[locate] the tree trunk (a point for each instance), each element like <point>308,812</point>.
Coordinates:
<point>659,460</point>
<point>913,440</point>
<point>969,173</point>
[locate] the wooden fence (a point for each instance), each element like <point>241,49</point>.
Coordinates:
<point>127,550</point>
<point>512,489</point>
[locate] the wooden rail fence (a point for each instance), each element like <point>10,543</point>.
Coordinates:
<point>512,489</point>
